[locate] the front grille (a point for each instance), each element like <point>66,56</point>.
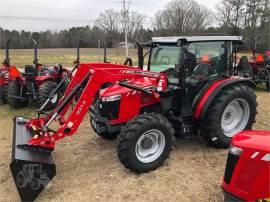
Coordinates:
<point>110,110</point>
<point>230,166</point>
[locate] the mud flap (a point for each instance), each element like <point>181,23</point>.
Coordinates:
<point>31,168</point>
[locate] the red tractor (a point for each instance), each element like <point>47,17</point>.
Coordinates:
<point>188,88</point>
<point>257,67</point>
<point>8,72</point>
<point>247,174</point>
<point>36,83</point>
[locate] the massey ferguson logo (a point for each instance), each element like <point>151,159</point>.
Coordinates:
<point>128,71</point>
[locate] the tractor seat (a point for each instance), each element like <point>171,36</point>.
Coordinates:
<point>30,71</point>
<point>244,68</point>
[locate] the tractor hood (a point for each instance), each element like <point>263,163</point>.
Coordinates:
<point>255,140</point>
<point>116,89</point>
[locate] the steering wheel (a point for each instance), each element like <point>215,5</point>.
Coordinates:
<point>128,62</point>
<point>202,69</point>
<point>165,60</point>
<point>59,69</point>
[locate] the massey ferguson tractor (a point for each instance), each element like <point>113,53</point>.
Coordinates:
<point>8,72</point>
<point>35,84</point>
<point>247,173</point>
<point>187,88</point>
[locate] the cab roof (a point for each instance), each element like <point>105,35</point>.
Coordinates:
<point>175,39</point>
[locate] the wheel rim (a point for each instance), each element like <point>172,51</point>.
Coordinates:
<point>235,117</point>
<point>55,98</point>
<point>150,146</point>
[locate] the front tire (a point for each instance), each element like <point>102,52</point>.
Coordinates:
<point>4,93</point>
<point>14,89</point>
<point>44,92</point>
<point>104,135</point>
<point>231,112</point>
<point>145,142</point>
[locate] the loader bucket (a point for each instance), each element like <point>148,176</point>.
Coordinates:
<point>31,168</point>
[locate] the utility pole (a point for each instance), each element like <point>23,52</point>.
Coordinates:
<point>125,12</point>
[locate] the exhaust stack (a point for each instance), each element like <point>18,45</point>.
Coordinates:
<point>32,167</point>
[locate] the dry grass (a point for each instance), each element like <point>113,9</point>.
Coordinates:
<point>88,168</point>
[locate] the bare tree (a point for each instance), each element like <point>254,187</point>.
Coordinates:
<point>134,23</point>
<point>109,21</point>
<point>181,17</point>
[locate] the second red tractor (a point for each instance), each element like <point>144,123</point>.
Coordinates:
<point>36,83</point>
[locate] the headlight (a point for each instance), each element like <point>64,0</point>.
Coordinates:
<point>111,98</point>
<point>235,150</point>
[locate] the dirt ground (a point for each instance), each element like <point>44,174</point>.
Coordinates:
<point>88,168</point>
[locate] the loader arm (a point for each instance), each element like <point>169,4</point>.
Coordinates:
<point>94,79</point>
<point>34,140</point>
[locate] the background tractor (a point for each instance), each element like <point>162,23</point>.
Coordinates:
<point>8,72</point>
<point>258,66</point>
<point>246,175</point>
<point>187,87</point>
<point>36,83</point>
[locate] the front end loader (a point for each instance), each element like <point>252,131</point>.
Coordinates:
<point>187,89</point>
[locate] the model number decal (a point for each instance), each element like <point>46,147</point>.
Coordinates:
<point>80,108</point>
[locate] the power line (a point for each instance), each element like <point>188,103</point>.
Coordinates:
<point>29,18</point>
<point>55,8</point>
<point>46,19</point>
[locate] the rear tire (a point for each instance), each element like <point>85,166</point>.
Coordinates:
<point>44,92</point>
<point>14,89</point>
<point>231,112</point>
<point>145,142</point>
<point>4,93</point>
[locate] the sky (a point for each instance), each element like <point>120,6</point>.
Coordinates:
<point>55,15</point>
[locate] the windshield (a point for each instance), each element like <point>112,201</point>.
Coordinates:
<point>164,58</point>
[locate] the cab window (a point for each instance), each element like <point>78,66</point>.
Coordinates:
<point>165,59</point>
<point>205,60</point>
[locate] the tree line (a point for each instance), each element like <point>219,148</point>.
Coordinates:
<point>179,17</point>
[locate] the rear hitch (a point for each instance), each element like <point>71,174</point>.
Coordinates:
<point>32,167</point>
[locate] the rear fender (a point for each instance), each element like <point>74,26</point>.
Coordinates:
<point>45,78</point>
<point>208,94</point>
<point>41,79</point>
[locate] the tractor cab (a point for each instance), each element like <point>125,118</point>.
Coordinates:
<point>190,64</point>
